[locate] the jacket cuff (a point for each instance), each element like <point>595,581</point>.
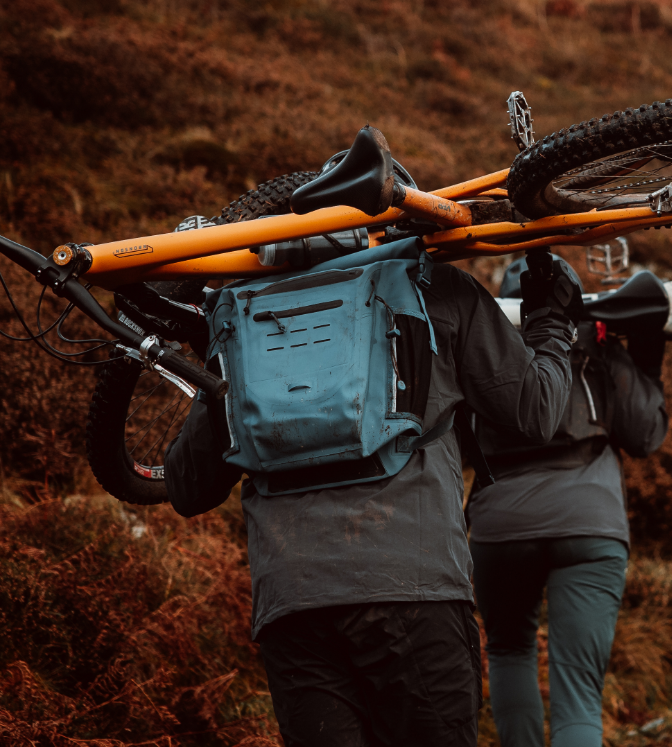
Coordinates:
<point>545,312</point>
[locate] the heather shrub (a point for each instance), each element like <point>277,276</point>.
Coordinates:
<point>127,626</point>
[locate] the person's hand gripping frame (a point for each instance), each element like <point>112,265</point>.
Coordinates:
<point>551,284</point>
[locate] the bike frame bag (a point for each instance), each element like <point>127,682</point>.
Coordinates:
<point>329,370</point>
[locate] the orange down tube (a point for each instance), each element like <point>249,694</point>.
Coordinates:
<point>592,236</point>
<point>121,262</point>
<point>461,237</point>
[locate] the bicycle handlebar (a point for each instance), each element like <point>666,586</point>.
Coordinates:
<point>175,363</point>
<point>169,359</point>
<point>27,258</point>
<point>77,294</point>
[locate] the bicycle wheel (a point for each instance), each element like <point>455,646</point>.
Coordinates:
<point>612,162</point>
<point>134,414</point>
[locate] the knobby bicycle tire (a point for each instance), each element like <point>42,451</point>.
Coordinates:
<point>591,165</point>
<point>106,434</point>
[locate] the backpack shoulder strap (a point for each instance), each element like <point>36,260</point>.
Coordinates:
<point>470,443</point>
<point>472,448</point>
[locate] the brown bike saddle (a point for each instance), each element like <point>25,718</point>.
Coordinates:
<point>364,179</point>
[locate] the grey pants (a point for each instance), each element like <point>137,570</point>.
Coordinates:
<point>585,577</point>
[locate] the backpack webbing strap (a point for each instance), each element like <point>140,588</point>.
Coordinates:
<point>421,300</point>
<point>473,449</point>
<point>407,444</point>
<point>469,443</point>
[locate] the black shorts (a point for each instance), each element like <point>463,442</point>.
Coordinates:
<point>369,675</point>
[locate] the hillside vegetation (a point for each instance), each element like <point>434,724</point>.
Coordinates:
<point>117,119</point>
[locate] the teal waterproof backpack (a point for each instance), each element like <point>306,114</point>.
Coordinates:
<point>329,370</point>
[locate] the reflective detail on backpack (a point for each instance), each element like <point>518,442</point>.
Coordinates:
<point>233,448</point>
<point>320,367</point>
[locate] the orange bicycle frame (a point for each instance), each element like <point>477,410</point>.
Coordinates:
<point>223,251</point>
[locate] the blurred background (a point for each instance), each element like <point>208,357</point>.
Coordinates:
<point>118,118</point>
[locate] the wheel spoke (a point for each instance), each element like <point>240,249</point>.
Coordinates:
<point>638,173</point>
<point>162,437</point>
<point>140,404</point>
<point>154,411</point>
<point>157,417</point>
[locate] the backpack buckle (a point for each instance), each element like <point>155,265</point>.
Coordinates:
<point>424,276</point>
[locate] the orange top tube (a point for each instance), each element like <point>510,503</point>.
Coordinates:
<point>129,261</point>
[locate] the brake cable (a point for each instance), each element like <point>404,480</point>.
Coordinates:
<point>40,340</point>
<point>32,338</point>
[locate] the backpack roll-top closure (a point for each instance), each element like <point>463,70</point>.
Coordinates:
<point>326,369</point>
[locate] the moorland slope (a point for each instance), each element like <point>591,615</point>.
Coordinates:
<point>120,117</point>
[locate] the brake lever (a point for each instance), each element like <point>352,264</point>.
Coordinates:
<point>168,359</point>
<point>135,355</point>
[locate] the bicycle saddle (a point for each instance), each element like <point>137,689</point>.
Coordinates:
<point>363,179</point>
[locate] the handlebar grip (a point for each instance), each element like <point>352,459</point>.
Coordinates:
<point>180,366</point>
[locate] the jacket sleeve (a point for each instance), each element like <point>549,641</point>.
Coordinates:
<point>196,477</point>
<point>519,383</point>
<point>640,418</point>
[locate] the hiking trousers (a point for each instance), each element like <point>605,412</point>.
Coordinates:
<point>585,577</point>
<point>402,674</point>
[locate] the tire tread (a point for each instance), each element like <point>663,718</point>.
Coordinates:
<point>534,168</point>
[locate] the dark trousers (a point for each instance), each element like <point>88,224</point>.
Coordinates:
<point>401,673</point>
<point>585,577</point>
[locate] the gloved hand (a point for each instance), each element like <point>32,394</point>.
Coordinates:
<point>549,283</point>
<point>647,350</point>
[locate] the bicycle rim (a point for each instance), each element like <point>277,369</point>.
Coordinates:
<point>623,180</point>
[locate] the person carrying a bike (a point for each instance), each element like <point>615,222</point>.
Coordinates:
<point>556,519</point>
<point>362,600</point>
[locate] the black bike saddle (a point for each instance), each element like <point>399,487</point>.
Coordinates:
<point>363,179</point>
